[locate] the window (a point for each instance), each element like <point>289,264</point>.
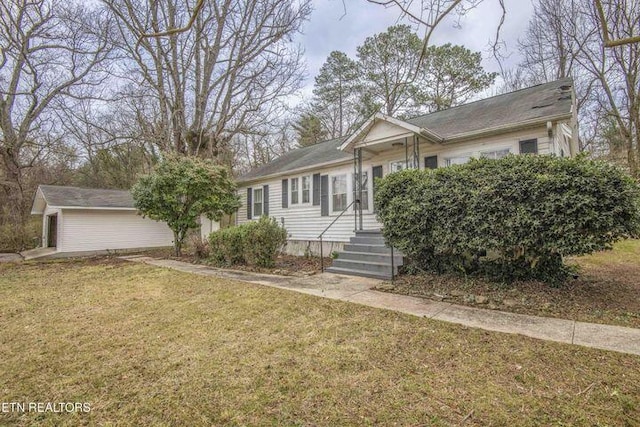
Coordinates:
<point>306,189</point>
<point>257,202</point>
<point>397,166</point>
<point>458,160</point>
<point>365,190</point>
<point>294,191</point>
<point>529,146</point>
<point>339,192</point>
<point>495,154</point>
<point>431,162</point>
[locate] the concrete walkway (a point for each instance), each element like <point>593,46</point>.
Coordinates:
<point>10,257</point>
<point>358,290</point>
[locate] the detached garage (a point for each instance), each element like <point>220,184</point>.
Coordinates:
<point>83,221</point>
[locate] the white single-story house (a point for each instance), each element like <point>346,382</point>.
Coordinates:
<point>323,194</point>
<point>83,221</point>
<point>313,190</point>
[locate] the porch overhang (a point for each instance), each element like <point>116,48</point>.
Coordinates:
<point>360,137</point>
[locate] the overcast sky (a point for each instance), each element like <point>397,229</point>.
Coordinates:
<point>331,28</point>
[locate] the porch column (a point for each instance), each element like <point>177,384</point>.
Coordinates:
<point>357,188</point>
<point>360,188</point>
<point>406,153</point>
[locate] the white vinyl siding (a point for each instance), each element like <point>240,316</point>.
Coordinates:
<point>304,221</point>
<point>99,230</point>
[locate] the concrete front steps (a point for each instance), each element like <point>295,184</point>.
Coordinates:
<point>366,255</point>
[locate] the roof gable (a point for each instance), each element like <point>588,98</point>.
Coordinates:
<point>379,127</point>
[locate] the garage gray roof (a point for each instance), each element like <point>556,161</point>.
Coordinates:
<point>323,152</point>
<point>77,197</point>
<point>536,102</point>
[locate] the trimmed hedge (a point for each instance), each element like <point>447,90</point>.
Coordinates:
<point>513,218</point>
<point>254,243</point>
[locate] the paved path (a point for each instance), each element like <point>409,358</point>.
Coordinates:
<point>358,290</point>
<point>9,257</point>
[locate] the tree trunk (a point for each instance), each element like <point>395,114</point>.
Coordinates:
<point>177,243</point>
<point>12,184</point>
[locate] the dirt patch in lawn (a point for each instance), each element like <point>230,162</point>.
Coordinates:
<point>606,291</point>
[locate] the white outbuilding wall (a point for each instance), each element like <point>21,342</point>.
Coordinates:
<point>87,230</point>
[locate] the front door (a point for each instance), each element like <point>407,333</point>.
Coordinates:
<point>52,231</point>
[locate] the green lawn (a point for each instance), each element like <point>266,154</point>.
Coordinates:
<point>149,346</point>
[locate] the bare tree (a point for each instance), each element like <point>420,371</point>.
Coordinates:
<point>51,53</point>
<point>613,38</point>
<point>209,71</point>
<point>565,39</point>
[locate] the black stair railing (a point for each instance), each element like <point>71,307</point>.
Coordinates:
<point>326,229</point>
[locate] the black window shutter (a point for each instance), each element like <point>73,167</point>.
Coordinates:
<point>249,202</point>
<point>316,189</point>
<point>285,193</point>
<point>431,162</point>
<point>529,146</point>
<point>376,172</point>
<point>265,199</point>
<point>324,195</point>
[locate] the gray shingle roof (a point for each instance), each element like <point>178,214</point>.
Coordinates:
<point>86,197</point>
<point>323,152</point>
<point>536,102</point>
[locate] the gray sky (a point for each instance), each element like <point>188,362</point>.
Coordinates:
<point>331,29</point>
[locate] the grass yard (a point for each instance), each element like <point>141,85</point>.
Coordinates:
<point>607,290</point>
<point>150,346</point>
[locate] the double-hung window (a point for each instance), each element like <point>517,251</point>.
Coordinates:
<point>257,203</point>
<point>339,192</point>
<point>496,154</point>
<point>294,191</point>
<point>397,166</point>
<point>457,160</point>
<point>529,146</point>
<point>306,189</point>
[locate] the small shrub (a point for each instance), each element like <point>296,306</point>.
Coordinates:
<point>201,249</point>
<point>514,218</point>
<point>263,241</point>
<point>226,246</point>
<point>254,243</point>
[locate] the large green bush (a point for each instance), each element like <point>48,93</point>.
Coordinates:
<point>253,243</point>
<point>513,218</point>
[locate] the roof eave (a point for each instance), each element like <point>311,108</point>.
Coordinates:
<point>508,127</point>
<point>96,208</point>
<point>293,171</point>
